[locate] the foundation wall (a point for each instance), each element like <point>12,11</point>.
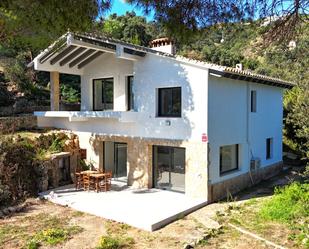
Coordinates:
<point>231,186</point>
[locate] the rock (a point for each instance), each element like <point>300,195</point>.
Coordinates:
<point>6,211</point>
<point>19,209</point>
<point>188,246</point>
<point>12,209</point>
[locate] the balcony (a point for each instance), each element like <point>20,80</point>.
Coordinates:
<point>81,116</point>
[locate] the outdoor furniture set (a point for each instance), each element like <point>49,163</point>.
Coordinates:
<point>93,180</point>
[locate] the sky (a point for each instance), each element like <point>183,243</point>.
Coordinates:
<point>121,7</point>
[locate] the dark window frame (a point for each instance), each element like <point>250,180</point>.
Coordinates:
<point>130,94</point>
<point>159,113</point>
<point>253,101</point>
<point>168,151</point>
<point>93,93</point>
<point>269,149</point>
<point>237,161</point>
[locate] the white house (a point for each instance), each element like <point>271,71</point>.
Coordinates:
<point>162,121</point>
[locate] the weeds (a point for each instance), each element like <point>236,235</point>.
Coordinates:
<point>110,242</point>
<point>290,205</point>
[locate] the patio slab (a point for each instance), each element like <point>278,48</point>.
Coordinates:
<point>148,209</point>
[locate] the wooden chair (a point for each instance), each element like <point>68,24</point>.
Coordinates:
<point>88,182</point>
<point>78,180</point>
<point>106,183</point>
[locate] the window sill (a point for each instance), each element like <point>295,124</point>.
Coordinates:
<point>230,172</point>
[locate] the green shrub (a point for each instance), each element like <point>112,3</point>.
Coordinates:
<point>288,203</point>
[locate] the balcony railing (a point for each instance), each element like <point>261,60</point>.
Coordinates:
<point>79,116</point>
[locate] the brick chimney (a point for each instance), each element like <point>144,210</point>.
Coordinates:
<point>164,45</point>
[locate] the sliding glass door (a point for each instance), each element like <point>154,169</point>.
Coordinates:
<point>169,168</point>
<point>115,159</point>
<point>103,94</point>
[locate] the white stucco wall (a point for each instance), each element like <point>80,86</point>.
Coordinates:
<point>150,73</point>
<point>231,122</point>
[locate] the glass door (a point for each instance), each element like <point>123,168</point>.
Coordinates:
<point>169,168</point>
<point>120,150</point>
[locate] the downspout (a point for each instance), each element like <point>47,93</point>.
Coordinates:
<point>250,155</point>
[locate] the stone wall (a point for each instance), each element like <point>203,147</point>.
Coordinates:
<point>139,161</point>
<point>51,170</point>
<point>12,124</point>
<point>231,186</point>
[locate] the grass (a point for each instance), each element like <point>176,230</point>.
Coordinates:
<point>37,230</point>
<point>111,242</point>
<point>290,205</point>
<point>286,214</point>
<point>116,237</point>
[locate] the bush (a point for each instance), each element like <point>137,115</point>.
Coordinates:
<point>17,167</point>
<point>69,94</point>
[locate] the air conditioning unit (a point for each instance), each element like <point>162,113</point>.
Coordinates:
<point>255,164</point>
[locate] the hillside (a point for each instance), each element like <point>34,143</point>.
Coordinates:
<point>243,43</point>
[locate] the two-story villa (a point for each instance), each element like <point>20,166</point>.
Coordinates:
<point>162,121</point>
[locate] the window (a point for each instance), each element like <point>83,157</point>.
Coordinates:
<point>169,102</point>
<point>253,101</point>
<point>103,94</point>
<point>130,93</point>
<point>269,148</point>
<point>229,158</point>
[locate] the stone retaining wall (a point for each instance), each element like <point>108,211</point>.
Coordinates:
<point>12,124</point>
<point>223,189</point>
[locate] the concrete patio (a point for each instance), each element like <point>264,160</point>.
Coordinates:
<point>148,209</point>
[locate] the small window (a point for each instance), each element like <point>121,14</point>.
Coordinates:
<point>130,93</point>
<point>169,102</point>
<point>253,101</point>
<point>269,148</point>
<point>229,158</point>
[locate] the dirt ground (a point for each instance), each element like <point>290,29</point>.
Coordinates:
<point>17,230</point>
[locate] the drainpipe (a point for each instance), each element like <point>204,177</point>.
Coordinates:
<point>250,155</point>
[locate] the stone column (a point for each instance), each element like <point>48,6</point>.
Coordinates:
<point>54,91</point>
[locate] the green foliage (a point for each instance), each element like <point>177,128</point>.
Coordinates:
<point>109,242</point>
<point>19,161</point>
<point>33,24</point>
<point>6,97</point>
<point>69,94</point>
<point>17,168</point>
<point>130,28</point>
<point>290,205</point>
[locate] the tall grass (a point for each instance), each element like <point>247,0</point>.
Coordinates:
<point>290,205</point>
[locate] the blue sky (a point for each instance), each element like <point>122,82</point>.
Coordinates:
<point>121,7</point>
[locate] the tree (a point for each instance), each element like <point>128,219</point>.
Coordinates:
<point>130,28</point>
<point>182,18</point>
<point>34,24</point>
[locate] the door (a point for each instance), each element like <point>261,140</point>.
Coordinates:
<point>103,94</point>
<point>115,158</point>
<point>120,150</point>
<point>169,168</point>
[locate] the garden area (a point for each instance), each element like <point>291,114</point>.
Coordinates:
<point>276,215</point>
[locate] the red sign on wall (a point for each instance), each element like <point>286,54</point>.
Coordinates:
<point>204,138</point>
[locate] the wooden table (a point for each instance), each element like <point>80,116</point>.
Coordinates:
<point>89,172</point>
<point>97,178</point>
